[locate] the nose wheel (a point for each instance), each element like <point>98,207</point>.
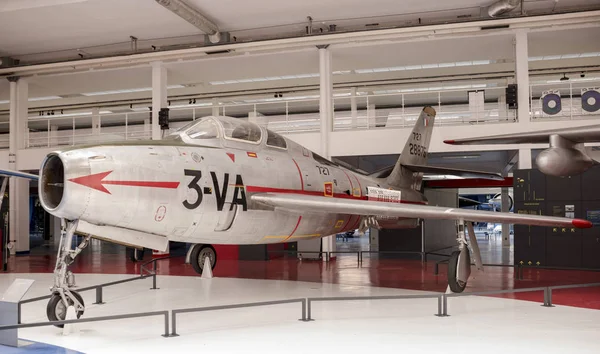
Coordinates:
<point>56,310</point>
<point>199,255</point>
<point>62,295</point>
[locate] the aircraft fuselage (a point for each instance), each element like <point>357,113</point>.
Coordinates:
<point>202,194</point>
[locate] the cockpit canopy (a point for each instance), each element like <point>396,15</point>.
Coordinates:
<point>209,131</point>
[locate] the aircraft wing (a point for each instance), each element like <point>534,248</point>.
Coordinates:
<point>308,203</point>
<point>12,173</point>
<point>454,172</point>
<point>585,134</point>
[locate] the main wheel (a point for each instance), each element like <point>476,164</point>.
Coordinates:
<point>136,255</point>
<point>198,257</point>
<point>56,309</point>
<point>457,286</point>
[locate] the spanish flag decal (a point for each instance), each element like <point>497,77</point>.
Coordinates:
<point>251,154</point>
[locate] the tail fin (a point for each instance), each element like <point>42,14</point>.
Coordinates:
<point>414,153</point>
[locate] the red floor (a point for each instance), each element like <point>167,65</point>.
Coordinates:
<point>407,274</point>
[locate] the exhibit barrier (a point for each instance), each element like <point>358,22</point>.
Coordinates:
<point>236,306</point>
<point>164,313</point>
<point>442,306</point>
<point>309,300</point>
<point>99,288</point>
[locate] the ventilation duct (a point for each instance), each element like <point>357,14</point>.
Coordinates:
<point>194,17</point>
<point>502,7</point>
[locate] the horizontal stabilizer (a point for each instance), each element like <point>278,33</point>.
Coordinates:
<point>585,134</point>
<point>454,172</point>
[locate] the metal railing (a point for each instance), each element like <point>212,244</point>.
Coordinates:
<point>382,297</point>
<point>237,306</point>
<point>95,319</point>
<point>442,306</point>
<point>280,114</point>
<point>99,288</point>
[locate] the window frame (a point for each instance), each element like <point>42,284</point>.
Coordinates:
<point>275,146</point>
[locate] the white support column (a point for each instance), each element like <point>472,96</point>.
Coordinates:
<point>53,135</point>
<point>522,68</point>
<point>326,115</point>
<point>353,108</point>
<point>18,187</point>
<point>524,159</point>
<point>326,96</point>
<point>96,121</point>
<point>215,107</point>
<point>159,96</point>
<point>371,115</point>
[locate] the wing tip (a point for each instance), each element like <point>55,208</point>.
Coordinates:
<point>582,224</point>
<point>450,141</point>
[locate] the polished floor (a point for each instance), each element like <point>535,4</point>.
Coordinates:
<point>476,324</point>
<point>104,258</point>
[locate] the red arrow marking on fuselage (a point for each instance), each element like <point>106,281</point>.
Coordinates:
<point>96,181</point>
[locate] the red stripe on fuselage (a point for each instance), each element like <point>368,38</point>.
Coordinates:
<point>349,180</point>
<point>300,173</point>
<point>171,185</point>
<point>295,228</point>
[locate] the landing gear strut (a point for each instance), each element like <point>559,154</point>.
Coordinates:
<point>459,264</point>
<point>62,295</point>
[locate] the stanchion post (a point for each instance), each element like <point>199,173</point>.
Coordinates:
<point>436,269</point>
<point>445,305</point>
<point>154,276</point>
<point>303,319</point>
<point>548,297</point>
<point>167,324</point>
<point>174,324</point>
<point>98,296</point>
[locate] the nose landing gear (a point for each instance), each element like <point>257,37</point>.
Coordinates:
<point>62,295</point>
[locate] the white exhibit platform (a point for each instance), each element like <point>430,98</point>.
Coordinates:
<point>476,324</point>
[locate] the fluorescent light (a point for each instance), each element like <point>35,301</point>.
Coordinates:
<point>132,90</point>
<point>268,78</point>
<point>5,101</point>
<point>44,98</point>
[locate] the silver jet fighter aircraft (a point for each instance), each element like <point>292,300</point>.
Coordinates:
<point>566,156</point>
<point>221,180</point>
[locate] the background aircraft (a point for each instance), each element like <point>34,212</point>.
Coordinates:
<point>566,155</point>
<point>221,180</point>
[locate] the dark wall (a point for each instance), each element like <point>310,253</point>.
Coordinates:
<point>400,240</point>
<point>537,193</point>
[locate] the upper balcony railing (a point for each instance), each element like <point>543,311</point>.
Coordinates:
<point>377,110</point>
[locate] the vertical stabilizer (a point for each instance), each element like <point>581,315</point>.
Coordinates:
<point>414,153</point>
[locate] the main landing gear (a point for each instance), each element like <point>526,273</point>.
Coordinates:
<point>198,254</point>
<point>62,295</point>
<point>459,264</point>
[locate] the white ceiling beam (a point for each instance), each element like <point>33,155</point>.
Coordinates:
<point>548,22</point>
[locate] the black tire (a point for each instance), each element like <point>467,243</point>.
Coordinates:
<point>455,285</point>
<point>136,255</point>
<point>56,311</point>
<point>199,253</point>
